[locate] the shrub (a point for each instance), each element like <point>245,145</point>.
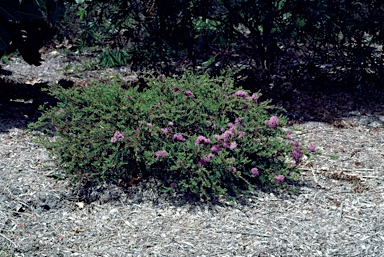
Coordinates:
<point>193,134</point>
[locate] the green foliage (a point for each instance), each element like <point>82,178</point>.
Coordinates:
<point>110,58</point>
<point>285,38</point>
<point>193,134</point>
<point>24,25</point>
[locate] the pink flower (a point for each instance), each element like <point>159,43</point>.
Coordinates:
<point>233,169</point>
<point>296,155</point>
<point>273,121</point>
<point>189,93</point>
<point>215,149</point>
<point>241,134</point>
<point>202,140</point>
<point>179,137</point>
<point>233,145</point>
<point>227,134</point>
<point>226,144</point>
<point>117,136</point>
<point>279,179</point>
<point>170,123</point>
<point>208,157</point>
<point>240,94</point>
<point>149,125</point>
<point>253,98</point>
<point>161,154</point>
<point>160,102</point>
<point>289,137</point>
<point>173,184</point>
<point>165,130</point>
<point>232,127</point>
<point>312,148</point>
<point>255,172</point>
<point>238,120</point>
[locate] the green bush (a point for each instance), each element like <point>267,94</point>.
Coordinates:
<point>193,134</point>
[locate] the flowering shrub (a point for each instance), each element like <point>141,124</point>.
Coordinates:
<point>193,134</point>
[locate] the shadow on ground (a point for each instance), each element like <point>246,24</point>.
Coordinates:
<point>19,104</point>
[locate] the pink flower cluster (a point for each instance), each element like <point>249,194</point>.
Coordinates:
<point>279,179</point>
<point>272,122</point>
<point>202,140</point>
<point>117,137</point>
<point>255,172</point>
<point>206,159</point>
<point>312,148</point>
<point>232,132</point>
<point>244,94</point>
<point>179,137</point>
<point>296,153</point>
<point>189,93</point>
<point>161,154</point>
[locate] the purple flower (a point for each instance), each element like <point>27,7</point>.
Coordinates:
<point>208,157</point>
<point>296,155</point>
<point>255,172</point>
<point>173,184</point>
<point>117,136</point>
<point>253,98</point>
<point>161,75</point>
<point>232,126</point>
<point>233,169</point>
<point>60,111</point>
<point>273,121</point>
<point>238,120</point>
<point>170,123</point>
<point>240,94</point>
<point>279,179</point>
<point>215,149</point>
<point>149,124</point>
<point>208,122</point>
<point>160,102</point>
<point>138,149</point>
<point>312,148</point>
<point>165,130</point>
<point>289,137</point>
<point>226,144</point>
<point>161,154</point>
<point>296,144</point>
<point>189,93</point>
<point>245,106</point>
<point>202,140</point>
<point>179,137</point>
<point>233,145</point>
<point>227,134</point>
<point>241,134</point>
<point>214,126</point>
